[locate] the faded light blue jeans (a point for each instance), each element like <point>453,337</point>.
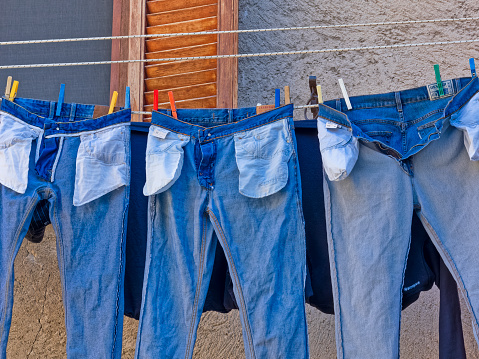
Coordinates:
<point>233,173</point>
<point>80,164</point>
<point>415,149</point>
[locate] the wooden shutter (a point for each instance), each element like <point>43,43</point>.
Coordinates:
<point>197,83</point>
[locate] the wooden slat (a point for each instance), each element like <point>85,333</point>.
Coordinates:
<point>206,24</point>
<point>200,50</point>
<point>174,42</point>
<point>175,68</point>
<point>136,49</point>
<point>203,50</point>
<point>227,45</point>
<point>180,15</point>
<point>183,93</point>
<point>205,102</point>
<point>169,5</point>
<point>189,79</point>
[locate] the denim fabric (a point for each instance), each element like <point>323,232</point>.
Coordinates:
<point>410,159</point>
<point>261,231</point>
<point>90,235</point>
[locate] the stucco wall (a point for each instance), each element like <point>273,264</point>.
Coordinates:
<point>38,329</point>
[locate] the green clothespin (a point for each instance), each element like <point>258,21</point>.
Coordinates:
<point>438,80</point>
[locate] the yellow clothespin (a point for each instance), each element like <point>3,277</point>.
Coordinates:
<point>287,97</point>
<point>13,93</point>
<point>9,87</point>
<point>113,102</point>
<point>320,94</point>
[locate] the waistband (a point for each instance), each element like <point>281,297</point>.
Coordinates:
<point>191,122</point>
<point>460,90</point>
<point>80,118</point>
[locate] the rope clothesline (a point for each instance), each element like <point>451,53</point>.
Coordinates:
<point>189,58</point>
<point>295,107</point>
<point>314,27</point>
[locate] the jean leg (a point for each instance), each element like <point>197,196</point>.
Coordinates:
<point>368,216</point>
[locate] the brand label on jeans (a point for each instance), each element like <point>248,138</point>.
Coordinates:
<point>160,133</point>
<point>332,125</point>
<point>433,90</point>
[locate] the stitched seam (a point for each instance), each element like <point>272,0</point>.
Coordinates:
<point>119,286</point>
<point>334,271</point>
<point>238,285</point>
<point>457,275</point>
<point>401,295</point>
<point>33,203</point>
<point>198,289</point>
<point>56,224</point>
<point>151,213</point>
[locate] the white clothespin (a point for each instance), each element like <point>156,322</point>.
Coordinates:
<point>345,94</point>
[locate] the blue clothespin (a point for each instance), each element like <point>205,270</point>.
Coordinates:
<point>438,80</point>
<point>61,97</point>
<point>472,65</point>
<point>277,98</point>
<point>127,97</point>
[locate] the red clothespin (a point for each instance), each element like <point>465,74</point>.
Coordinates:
<point>172,104</point>
<point>155,100</point>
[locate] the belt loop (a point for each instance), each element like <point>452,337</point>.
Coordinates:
<point>398,101</point>
<point>230,116</point>
<point>338,104</point>
<point>52,110</point>
<point>73,111</point>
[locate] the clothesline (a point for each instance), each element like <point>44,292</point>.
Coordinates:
<point>314,27</point>
<point>299,52</point>
<point>295,107</point>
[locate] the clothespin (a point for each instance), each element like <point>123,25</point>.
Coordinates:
<point>287,97</point>
<point>345,94</point>
<point>472,65</point>
<point>114,98</point>
<point>172,104</point>
<point>438,80</point>
<point>277,98</point>
<point>155,100</point>
<point>9,87</point>
<point>320,94</point>
<point>127,97</point>
<point>61,97</point>
<point>13,93</point>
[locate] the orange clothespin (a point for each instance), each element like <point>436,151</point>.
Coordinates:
<point>13,93</point>
<point>172,104</point>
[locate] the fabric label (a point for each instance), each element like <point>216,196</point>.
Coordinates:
<point>332,125</point>
<point>160,133</point>
<point>433,90</point>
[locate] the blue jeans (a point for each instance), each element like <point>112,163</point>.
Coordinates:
<point>412,157</point>
<point>235,174</point>
<point>80,164</point>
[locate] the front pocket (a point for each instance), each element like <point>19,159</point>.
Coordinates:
<point>16,139</point>
<point>102,164</point>
<point>262,157</point>
<point>164,159</point>
<point>467,120</point>
<point>339,149</point>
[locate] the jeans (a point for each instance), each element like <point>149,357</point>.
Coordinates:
<point>233,173</point>
<point>80,164</point>
<point>411,158</point>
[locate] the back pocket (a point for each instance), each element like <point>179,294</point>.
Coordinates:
<point>262,157</point>
<point>164,159</point>
<point>102,164</point>
<point>16,139</point>
<point>339,149</point>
